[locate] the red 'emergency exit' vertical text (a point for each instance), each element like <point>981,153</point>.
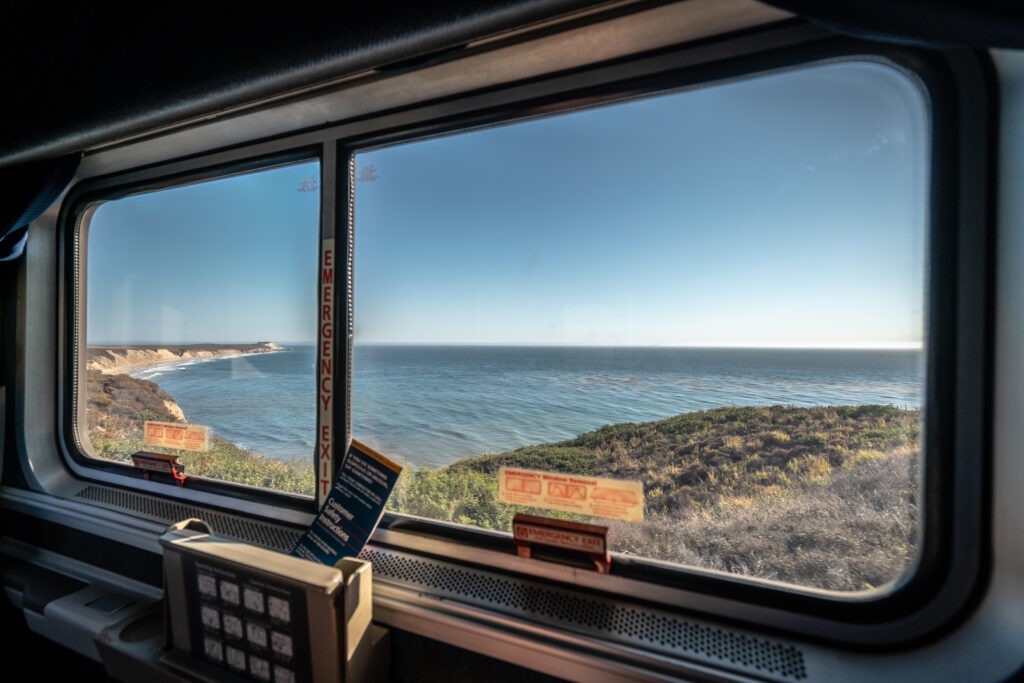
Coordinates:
<point>325,458</point>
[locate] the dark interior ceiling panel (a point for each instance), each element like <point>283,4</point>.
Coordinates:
<point>74,77</point>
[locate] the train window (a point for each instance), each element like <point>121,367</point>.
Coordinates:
<point>697,318</point>
<point>198,324</point>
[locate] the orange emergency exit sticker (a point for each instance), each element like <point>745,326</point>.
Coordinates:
<point>612,498</point>
<point>174,435</point>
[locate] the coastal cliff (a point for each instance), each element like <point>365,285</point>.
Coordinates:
<point>116,402</point>
<point>115,360</point>
<point>117,407</point>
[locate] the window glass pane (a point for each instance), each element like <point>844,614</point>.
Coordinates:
<point>200,320</point>
<point>708,305</point>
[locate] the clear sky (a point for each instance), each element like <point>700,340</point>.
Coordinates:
<point>786,210</point>
<point>231,260</point>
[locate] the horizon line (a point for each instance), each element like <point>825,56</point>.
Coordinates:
<point>891,346</point>
<point>869,346</point>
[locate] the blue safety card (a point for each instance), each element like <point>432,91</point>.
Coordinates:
<point>352,509</point>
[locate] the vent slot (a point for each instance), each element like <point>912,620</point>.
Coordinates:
<point>654,630</point>
<point>169,512</point>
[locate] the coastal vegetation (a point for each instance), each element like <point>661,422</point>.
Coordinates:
<point>823,497</point>
<point>119,405</point>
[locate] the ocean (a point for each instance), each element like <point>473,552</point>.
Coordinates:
<point>431,405</point>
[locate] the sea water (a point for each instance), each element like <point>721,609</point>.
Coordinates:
<point>430,405</point>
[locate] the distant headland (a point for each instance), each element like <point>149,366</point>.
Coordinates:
<point>117,360</point>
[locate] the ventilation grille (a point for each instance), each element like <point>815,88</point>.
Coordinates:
<point>662,632</point>
<point>654,630</point>
<point>169,512</point>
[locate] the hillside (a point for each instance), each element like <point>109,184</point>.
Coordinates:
<point>695,458</point>
<point>825,497</point>
<point>117,407</point>
<point>116,400</point>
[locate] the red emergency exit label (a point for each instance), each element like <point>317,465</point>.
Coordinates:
<point>587,541</point>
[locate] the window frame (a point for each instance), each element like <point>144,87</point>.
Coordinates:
<point>84,198</point>
<point>958,343</point>
<point>956,348</point>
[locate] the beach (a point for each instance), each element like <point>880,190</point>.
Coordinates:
<point>118,360</point>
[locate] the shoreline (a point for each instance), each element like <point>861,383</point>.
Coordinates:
<point>128,359</point>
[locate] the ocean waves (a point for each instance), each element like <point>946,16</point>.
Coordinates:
<point>430,405</point>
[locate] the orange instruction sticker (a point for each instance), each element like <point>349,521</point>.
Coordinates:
<point>174,435</point>
<point>612,498</point>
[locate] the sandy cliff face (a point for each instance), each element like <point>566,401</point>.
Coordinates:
<point>115,360</point>
<point>116,404</point>
<point>174,409</point>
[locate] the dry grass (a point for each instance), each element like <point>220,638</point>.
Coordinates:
<point>854,529</point>
<point>821,497</point>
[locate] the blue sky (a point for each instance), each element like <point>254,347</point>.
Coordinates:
<point>780,211</point>
<point>231,260</point>
<point>786,210</point>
